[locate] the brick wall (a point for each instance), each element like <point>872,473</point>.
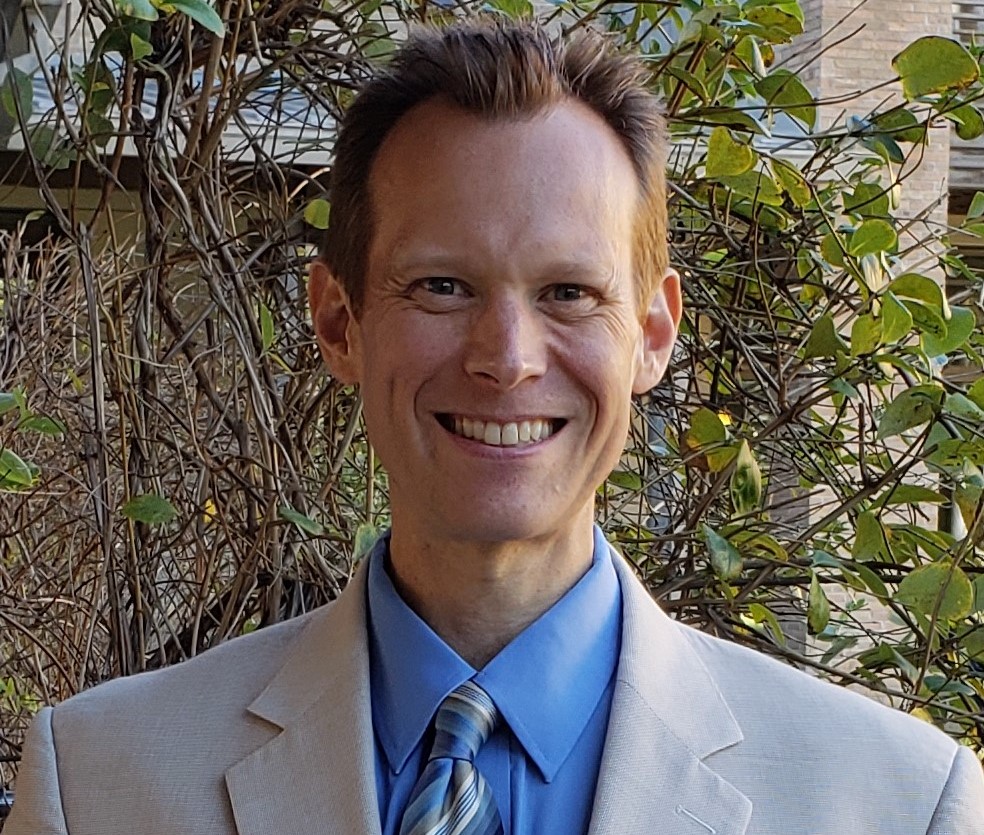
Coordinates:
<point>845,56</point>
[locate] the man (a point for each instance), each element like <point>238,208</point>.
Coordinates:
<point>496,281</point>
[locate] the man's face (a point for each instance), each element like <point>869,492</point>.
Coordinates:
<point>499,341</point>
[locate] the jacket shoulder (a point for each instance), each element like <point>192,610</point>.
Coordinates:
<point>823,740</point>
<point>228,675</point>
<point>766,693</point>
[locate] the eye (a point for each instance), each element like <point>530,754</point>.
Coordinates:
<point>441,286</point>
<point>568,293</point>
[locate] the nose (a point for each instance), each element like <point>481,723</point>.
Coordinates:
<point>506,344</point>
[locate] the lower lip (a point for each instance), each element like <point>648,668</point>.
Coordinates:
<point>488,451</point>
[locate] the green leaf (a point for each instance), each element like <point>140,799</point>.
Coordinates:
<point>926,320</point>
<point>873,235</point>
<point>790,7</point>
<point>761,614</point>
<point>923,289</point>
<point>865,335</point>
<point>933,64</point>
<point>17,89</point>
<point>975,393</point>
<point>707,435</point>
<point>755,185</point>
<point>202,13</point>
<point>976,206</point>
<point>885,147</point>
<point>968,121</point>
<point>725,156</point>
<point>941,585</point>
<point>626,479</point>
<point>973,644</point>
<point>750,54</point>
<point>967,498</point>
<point>728,116</point>
<point>706,428</point>
<point>779,21</point>
<point>908,494</point>
<point>99,128</point>
<point>266,327</point>
<point>978,594</point>
<point>14,471</point>
<point>818,609</point>
<point>867,200</point>
<point>513,8</point>
<point>784,90</point>
<point>913,407</point>
<point>961,406</point>
<point>831,249</point>
<point>139,48</point>
<point>8,402</point>
<point>959,327</point>
<point>895,318</point>
<point>725,559</point>
<point>746,481</point>
<point>316,213</point>
<point>756,543</point>
<point>303,523</point>
<point>872,581</point>
<point>365,538</point>
<point>824,341</point>
<point>793,182</point>
<point>690,82</point>
<point>43,425</point>
<point>140,9</point>
<point>902,125</point>
<point>150,509</point>
<point>870,540</point>
<point>43,140</point>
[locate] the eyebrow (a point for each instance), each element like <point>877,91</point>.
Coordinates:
<point>440,262</point>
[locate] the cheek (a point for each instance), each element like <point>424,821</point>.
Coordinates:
<point>402,352</point>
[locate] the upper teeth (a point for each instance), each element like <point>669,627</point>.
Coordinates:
<point>503,434</point>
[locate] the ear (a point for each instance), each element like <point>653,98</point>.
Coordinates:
<point>335,325</point>
<point>659,332</point>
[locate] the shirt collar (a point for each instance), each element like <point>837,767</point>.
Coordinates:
<point>546,683</point>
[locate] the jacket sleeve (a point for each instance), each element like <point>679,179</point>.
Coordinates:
<point>37,806</point>
<point>961,807</point>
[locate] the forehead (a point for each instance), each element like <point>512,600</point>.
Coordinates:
<point>558,177</point>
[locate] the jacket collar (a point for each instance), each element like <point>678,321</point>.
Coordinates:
<point>316,775</point>
<point>653,773</point>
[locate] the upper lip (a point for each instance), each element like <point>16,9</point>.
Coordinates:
<point>499,418</point>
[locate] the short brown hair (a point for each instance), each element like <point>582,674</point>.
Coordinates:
<point>499,69</point>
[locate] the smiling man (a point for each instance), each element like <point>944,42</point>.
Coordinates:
<point>495,280</point>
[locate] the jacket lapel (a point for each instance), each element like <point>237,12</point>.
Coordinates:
<point>667,717</point>
<point>316,776</point>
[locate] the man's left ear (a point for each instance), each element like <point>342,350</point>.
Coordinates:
<point>659,332</point>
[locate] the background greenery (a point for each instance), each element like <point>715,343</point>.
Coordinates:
<point>177,469</point>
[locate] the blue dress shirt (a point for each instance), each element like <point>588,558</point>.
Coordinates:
<point>552,684</point>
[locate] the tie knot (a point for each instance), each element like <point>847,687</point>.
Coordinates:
<point>464,722</point>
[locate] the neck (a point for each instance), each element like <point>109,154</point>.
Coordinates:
<point>478,596</point>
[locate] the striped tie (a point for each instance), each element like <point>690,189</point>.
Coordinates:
<point>451,797</point>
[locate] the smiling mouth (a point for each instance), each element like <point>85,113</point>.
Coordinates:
<point>511,433</point>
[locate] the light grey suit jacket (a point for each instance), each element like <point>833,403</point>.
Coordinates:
<point>270,734</point>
